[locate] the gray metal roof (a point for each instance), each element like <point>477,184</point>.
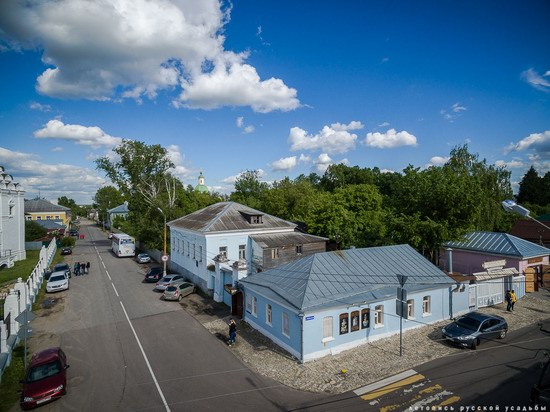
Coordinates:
<point>228,216</point>
<point>502,244</point>
<point>286,239</point>
<point>123,208</point>
<point>347,277</point>
<point>51,224</point>
<point>42,205</point>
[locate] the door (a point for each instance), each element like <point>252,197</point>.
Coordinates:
<point>237,305</point>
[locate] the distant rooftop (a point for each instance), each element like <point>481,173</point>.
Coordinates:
<point>42,205</point>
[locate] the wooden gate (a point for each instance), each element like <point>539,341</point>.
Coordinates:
<point>530,279</point>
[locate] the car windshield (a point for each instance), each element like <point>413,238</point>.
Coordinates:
<point>166,279</point>
<point>60,266</point>
<point>171,289</point>
<point>57,278</point>
<point>468,323</point>
<point>43,371</point>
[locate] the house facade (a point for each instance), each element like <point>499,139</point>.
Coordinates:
<point>12,222</point>
<point>498,261</point>
<point>41,209</point>
<point>215,247</point>
<point>333,301</point>
<point>120,211</point>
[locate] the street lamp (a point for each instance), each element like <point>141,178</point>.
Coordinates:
<point>511,206</point>
<point>164,257</point>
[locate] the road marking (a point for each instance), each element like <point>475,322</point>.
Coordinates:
<point>146,359</point>
<point>116,292</point>
<point>392,387</point>
<point>109,276</point>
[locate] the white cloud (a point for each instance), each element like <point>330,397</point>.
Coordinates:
<point>40,107</point>
<point>323,161</point>
<point>453,113</point>
<point>540,142</point>
<point>51,180</point>
<point>384,124</point>
<point>285,164</point>
<point>248,129</point>
<point>332,139</point>
<point>175,155</point>
<point>512,164</point>
<point>438,161</point>
<point>89,136</point>
<point>57,149</point>
<point>390,139</point>
<point>304,159</point>
<point>240,121</point>
<point>105,50</point>
<point>536,80</point>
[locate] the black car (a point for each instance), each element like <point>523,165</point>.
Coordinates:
<point>62,266</point>
<point>153,275</point>
<point>473,328</point>
<point>67,250</point>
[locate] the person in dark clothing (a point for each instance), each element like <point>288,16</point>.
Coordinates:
<point>232,332</point>
<point>77,269</point>
<point>87,267</point>
<point>83,268</point>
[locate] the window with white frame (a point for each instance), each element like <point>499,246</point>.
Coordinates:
<point>268,314</point>
<point>410,309</point>
<point>286,325</point>
<point>57,217</point>
<point>379,315</point>
<point>298,249</point>
<point>274,253</point>
<point>328,328</point>
<point>254,306</point>
<point>242,252</point>
<point>426,305</point>
<point>248,303</point>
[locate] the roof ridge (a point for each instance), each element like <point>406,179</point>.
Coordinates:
<point>218,215</point>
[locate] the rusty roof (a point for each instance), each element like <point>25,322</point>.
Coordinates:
<point>228,216</point>
<point>286,239</point>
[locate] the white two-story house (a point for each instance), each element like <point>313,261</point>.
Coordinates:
<point>216,246</point>
<point>12,222</point>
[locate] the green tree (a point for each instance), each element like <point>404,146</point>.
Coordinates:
<point>530,187</point>
<point>249,189</point>
<point>106,198</point>
<point>34,231</point>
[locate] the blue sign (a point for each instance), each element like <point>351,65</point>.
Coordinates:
<point>310,317</point>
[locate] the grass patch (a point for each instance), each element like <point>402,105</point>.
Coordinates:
<point>23,268</point>
<point>10,386</point>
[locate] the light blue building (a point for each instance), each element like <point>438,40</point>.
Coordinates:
<point>120,211</point>
<point>333,301</point>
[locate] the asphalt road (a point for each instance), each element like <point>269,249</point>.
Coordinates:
<point>130,351</point>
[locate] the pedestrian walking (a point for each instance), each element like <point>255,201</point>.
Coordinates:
<point>87,267</point>
<point>232,332</point>
<point>77,269</point>
<point>513,298</point>
<point>83,268</point>
<point>508,299</point>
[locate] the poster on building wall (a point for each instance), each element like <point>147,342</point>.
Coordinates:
<point>365,318</point>
<point>344,323</point>
<point>354,321</point>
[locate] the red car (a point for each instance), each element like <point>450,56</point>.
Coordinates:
<point>46,379</point>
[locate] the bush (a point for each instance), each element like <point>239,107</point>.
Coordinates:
<point>68,241</point>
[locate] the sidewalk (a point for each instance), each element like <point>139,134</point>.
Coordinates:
<point>364,364</point>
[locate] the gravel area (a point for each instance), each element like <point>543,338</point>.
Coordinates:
<point>359,366</point>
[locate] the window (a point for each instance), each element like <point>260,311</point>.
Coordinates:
<point>57,218</point>
<point>223,252</point>
<point>355,321</point>
<point>286,325</point>
<point>274,253</point>
<point>298,249</point>
<point>344,323</point>
<point>379,315</point>
<point>410,309</point>
<point>48,217</point>
<point>426,306</point>
<point>257,219</point>
<point>254,306</point>
<point>248,303</point>
<point>365,318</point>
<point>327,328</point>
<point>38,217</point>
<point>188,247</point>
<point>268,315</point>
<point>242,250</point>
<point>194,252</point>
<point>200,253</point>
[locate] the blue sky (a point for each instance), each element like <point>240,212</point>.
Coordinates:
<point>281,87</point>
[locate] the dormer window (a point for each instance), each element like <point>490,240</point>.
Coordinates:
<point>257,219</point>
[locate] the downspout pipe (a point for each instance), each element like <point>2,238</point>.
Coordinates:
<point>301,315</point>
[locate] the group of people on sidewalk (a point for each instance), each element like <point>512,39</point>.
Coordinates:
<point>510,299</point>
<point>81,268</point>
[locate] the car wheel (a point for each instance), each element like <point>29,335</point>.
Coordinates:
<point>180,297</point>
<point>474,344</point>
<point>502,334</point>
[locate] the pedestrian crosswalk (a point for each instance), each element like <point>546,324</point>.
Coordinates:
<point>408,390</point>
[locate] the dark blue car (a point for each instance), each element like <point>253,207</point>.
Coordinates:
<point>475,327</point>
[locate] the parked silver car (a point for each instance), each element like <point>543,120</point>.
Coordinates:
<point>167,281</point>
<point>58,281</point>
<point>143,258</point>
<point>178,291</point>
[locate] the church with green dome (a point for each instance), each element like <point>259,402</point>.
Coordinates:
<point>201,187</point>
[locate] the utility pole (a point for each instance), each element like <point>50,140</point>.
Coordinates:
<point>401,308</point>
<point>164,256</point>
